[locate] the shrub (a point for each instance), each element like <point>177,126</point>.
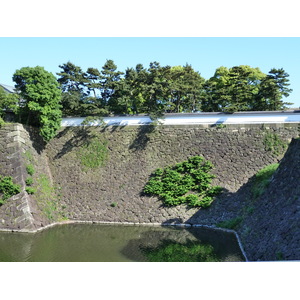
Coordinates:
<point>30,169</point>
<point>188,182</point>
<point>8,188</point>
<point>30,190</point>
<point>29,181</point>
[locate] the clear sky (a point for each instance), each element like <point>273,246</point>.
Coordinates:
<point>205,54</point>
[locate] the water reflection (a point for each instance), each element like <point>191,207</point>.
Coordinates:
<point>116,243</point>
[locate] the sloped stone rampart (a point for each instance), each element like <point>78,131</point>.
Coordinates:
<point>113,192</point>
<point>19,212</point>
<point>272,230</point>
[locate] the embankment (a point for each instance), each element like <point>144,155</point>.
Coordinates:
<point>98,174</point>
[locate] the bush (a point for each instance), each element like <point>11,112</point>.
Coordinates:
<point>30,169</point>
<point>188,182</point>
<point>8,188</point>
<point>30,190</point>
<point>29,181</point>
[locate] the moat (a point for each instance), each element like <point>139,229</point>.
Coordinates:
<point>119,243</point>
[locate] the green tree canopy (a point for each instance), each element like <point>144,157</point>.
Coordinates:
<point>41,94</point>
<point>9,102</point>
<point>160,89</point>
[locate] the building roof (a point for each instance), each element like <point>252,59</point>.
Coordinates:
<point>8,88</point>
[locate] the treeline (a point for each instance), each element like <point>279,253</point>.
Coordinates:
<point>41,99</point>
<point>165,89</point>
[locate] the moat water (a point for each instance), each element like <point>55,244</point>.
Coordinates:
<point>119,243</point>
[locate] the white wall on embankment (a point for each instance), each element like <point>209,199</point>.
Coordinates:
<point>196,118</point>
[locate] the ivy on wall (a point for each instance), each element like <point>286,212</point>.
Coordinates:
<point>8,188</point>
<point>188,183</point>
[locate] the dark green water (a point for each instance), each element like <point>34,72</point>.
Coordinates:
<point>116,243</point>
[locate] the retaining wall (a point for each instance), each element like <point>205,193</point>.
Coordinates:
<point>113,192</point>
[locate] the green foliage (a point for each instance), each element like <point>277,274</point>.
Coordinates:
<point>93,153</point>
<point>30,169</point>
<point>29,156</point>
<point>230,224</point>
<point>262,180</point>
<point>30,190</point>
<point>9,101</point>
<point>29,181</point>
<point>170,251</point>
<point>2,122</point>
<point>114,204</point>
<point>188,183</point>
<point>48,200</point>
<point>8,188</point>
<point>274,144</point>
<point>92,120</point>
<point>41,96</point>
<point>160,89</point>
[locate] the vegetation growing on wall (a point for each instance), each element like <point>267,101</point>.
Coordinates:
<point>188,183</point>
<point>231,223</point>
<point>262,179</point>
<point>93,153</point>
<point>8,188</point>
<point>274,144</point>
<point>48,200</point>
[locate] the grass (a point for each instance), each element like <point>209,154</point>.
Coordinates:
<point>48,200</point>
<point>230,224</point>
<point>274,144</point>
<point>93,154</point>
<point>262,180</point>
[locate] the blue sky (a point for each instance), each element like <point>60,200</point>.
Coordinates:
<point>205,54</point>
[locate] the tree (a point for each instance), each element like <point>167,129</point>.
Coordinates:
<point>233,89</point>
<point>9,102</point>
<point>109,80</point>
<point>71,78</point>
<point>185,86</point>
<point>73,83</point>
<point>273,87</point>
<point>41,94</point>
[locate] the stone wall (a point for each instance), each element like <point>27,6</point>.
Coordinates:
<point>272,230</point>
<point>21,211</point>
<point>113,192</point>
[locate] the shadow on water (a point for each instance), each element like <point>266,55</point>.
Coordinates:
<point>177,244</point>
